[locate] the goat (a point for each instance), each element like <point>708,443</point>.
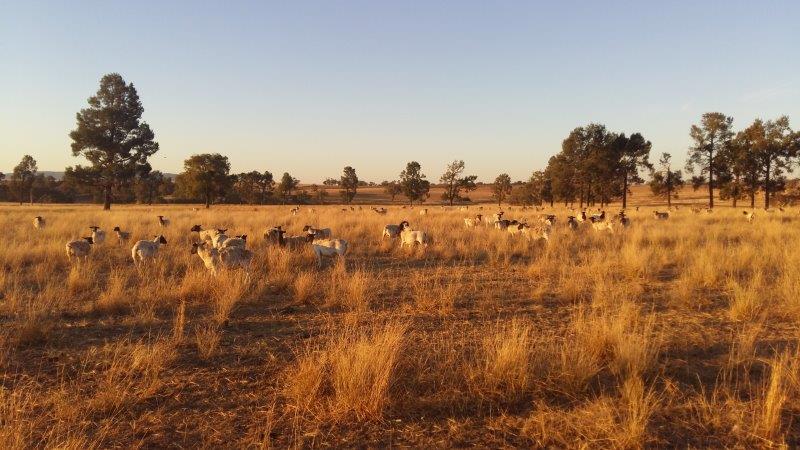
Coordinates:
<point>329,248</point>
<point>602,225</point>
<point>206,235</point>
<point>79,248</point>
<point>319,233</point>
<point>548,219</point>
<point>572,223</point>
<point>229,258</point>
<point>749,215</point>
<point>535,233</point>
<point>471,222</point>
<point>163,221</point>
<point>98,235</point>
<point>391,231</point>
<point>236,241</point>
<point>412,237</point>
<point>598,217</point>
<point>147,250</point>
<point>38,222</point>
<point>661,215</point>
<point>423,211</point>
<point>122,236</point>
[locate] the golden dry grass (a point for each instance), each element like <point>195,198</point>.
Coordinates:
<point>681,333</point>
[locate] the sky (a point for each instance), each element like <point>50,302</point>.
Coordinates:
<point>309,87</point>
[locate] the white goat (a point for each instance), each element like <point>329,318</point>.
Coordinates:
<point>38,222</point>
<point>147,250</point>
<point>472,222</point>
<point>329,248</point>
<point>319,233</point>
<point>603,225</point>
<point>413,237</point>
<point>98,235</point>
<point>79,248</point>
<point>122,236</point>
<point>423,211</point>
<point>228,258</point>
<point>236,241</point>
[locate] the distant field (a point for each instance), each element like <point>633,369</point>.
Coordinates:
<point>675,333</point>
<point>640,195</point>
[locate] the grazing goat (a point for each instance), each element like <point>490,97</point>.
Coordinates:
<point>79,248</point>
<point>38,222</point>
<point>122,236</point>
<point>472,222</point>
<point>163,221</point>
<point>228,258</point>
<point>412,237</point>
<point>147,250</point>
<point>236,241</point>
<point>661,215</point>
<point>319,233</point>
<point>98,235</point>
<point>603,225</point>
<point>329,248</point>
<point>295,210</point>
<point>535,233</point>
<point>749,215</point>
<point>598,217</point>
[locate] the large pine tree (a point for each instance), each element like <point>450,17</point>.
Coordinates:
<point>112,137</point>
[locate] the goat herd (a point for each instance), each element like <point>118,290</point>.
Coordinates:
<point>219,251</point>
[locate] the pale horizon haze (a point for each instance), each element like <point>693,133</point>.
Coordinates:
<point>310,87</point>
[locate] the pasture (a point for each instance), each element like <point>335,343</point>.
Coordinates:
<point>678,332</point>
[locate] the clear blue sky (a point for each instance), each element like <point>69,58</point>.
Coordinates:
<point>309,87</point>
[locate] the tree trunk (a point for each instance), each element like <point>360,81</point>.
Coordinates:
<point>711,178</point>
<point>208,201</point>
<point>752,198</point>
<point>30,196</point>
<point>625,190</point>
<point>766,185</point>
<point>107,198</point>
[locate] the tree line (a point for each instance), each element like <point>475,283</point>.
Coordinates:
<point>595,166</point>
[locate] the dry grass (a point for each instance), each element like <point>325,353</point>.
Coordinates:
<point>681,333</point>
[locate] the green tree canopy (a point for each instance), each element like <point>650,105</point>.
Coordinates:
<point>413,183</point>
<point>23,178</point>
<point>710,138</point>
<point>454,183</point>
<point>205,176</point>
<point>286,186</point>
<point>501,188</point>
<point>349,184</point>
<point>665,181</point>
<point>112,137</point>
